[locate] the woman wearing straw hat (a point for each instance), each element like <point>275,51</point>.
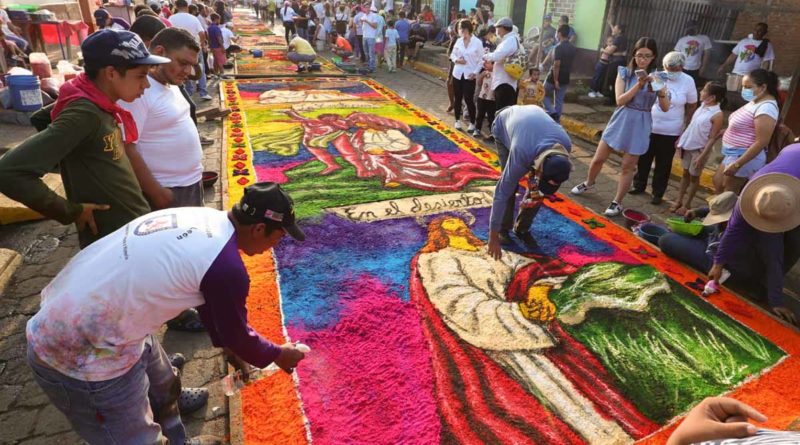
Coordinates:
<point>766,221</point>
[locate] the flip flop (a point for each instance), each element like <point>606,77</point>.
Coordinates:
<point>188,321</point>
<point>192,399</point>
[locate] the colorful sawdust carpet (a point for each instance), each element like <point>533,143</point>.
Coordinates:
<point>273,62</point>
<point>419,337</point>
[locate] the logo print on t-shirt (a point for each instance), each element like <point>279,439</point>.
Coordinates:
<point>692,46</point>
<point>113,143</point>
<point>156,224</point>
<point>748,54</point>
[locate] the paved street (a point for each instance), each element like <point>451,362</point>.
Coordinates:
<point>27,418</point>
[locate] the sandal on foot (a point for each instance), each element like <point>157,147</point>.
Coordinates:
<point>205,439</point>
<point>188,321</point>
<point>192,399</point>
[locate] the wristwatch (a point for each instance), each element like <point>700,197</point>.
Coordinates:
<point>736,165</point>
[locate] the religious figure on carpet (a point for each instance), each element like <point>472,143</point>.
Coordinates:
<point>509,343</point>
<point>380,147</point>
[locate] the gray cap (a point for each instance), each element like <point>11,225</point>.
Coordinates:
<point>505,22</point>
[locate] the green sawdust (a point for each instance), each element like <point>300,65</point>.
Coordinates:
<point>314,193</point>
<point>675,353</point>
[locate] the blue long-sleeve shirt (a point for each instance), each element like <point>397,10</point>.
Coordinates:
<point>527,131</point>
<point>741,238</point>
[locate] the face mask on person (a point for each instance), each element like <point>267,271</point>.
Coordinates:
<point>672,75</point>
<point>748,94</point>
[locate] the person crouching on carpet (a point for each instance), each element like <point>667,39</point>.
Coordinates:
<point>302,53</point>
<point>92,345</point>
<point>528,142</point>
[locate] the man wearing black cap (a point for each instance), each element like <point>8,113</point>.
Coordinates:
<point>530,143</point>
<point>93,342</point>
<point>86,140</point>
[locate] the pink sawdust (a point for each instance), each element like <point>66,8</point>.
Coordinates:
<point>571,255</point>
<point>368,379</point>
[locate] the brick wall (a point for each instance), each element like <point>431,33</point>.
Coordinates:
<point>783,18</point>
<point>561,7</point>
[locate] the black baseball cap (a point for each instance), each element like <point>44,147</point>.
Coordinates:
<point>555,169</point>
<point>108,47</point>
<point>267,202</point>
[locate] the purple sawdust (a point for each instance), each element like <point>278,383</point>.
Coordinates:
<point>572,255</point>
<point>369,375</point>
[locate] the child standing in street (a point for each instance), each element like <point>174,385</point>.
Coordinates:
<point>390,52</point>
<point>217,43</point>
<point>86,140</point>
<point>697,142</point>
<point>485,102</point>
<point>530,89</point>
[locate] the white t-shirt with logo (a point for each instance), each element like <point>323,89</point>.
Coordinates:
<point>692,47</point>
<point>186,21</point>
<point>168,139</point>
<point>682,91</point>
<point>96,314</point>
<point>746,58</point>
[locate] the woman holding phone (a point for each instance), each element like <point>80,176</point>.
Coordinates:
<point>630,126</point>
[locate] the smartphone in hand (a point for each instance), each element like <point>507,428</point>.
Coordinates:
<point>640,73</point>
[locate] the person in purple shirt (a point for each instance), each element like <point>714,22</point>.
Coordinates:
<point>765,227</point>
<point>92,344</point>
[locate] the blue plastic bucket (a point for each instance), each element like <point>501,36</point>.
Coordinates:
<point>650,232</point>
<point>26,93</point>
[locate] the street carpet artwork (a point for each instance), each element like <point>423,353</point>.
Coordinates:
<point>273,62</point>
<point>417,336</point>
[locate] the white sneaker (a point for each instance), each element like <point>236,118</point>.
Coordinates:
<point>591,94</point>
<point>613,209</point>
<point>457,125</point>
<point>471,128</point>
<point>206,97</point>
<point>581,188</point>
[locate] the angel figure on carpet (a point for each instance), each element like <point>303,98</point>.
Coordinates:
<point>380,147</point>
<point>527,349</point>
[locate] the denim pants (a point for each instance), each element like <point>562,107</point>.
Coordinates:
<point>690,250</point>
<point>526,214</point>
<point>140,406</point>
<point>661,150</point>
<point>369,44</point>
<point>554,110</point>
<point>202,83</point>
<point>600,69</point>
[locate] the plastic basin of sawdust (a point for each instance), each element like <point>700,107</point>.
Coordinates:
<point>678,225</point>
<point>210,178</point>
<point>634,218</point>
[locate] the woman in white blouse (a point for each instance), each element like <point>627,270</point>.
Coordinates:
<point>467,57</point>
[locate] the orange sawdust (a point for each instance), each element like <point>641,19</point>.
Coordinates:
<point>271,411</point>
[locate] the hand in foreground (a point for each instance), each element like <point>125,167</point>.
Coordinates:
<point>715,273</point>
<point>494,246</point>
<point>289,357</point>
<point>731,169</point>
<point>86,218</point>
<point>689,216</point>
<point>163,199</point>
<point>786,314</point>
<point>237,363</point>
<point>716,418</point>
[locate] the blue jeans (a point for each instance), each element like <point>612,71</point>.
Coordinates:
<point>140,406</point>
<point>686,249</point>
<point>369,44</point>
<point>554,110</point>
<point>21,43</point>
<point>202,83</point>
<point>599,76</point>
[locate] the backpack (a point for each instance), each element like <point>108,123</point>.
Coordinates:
<point>516,63</point>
